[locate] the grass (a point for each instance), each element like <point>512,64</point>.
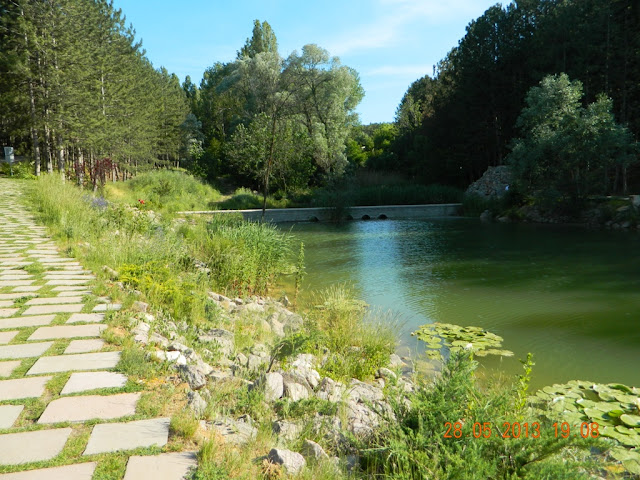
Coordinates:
<point>166,191</point>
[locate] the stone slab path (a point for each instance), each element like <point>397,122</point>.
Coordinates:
<point>52,333</point>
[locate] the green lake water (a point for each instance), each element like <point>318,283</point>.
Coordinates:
<point>568,295</point>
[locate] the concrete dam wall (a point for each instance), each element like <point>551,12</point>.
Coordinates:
<point>378,212</point>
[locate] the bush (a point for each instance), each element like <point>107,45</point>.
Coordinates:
<point>420,442</point>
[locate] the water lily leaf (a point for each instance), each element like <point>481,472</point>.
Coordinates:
<point>615,413</point>
<point>606,396</point>
<point>630,420</point>
<point>620,386</point>
<point>504,353</point>
<point>632,465</point>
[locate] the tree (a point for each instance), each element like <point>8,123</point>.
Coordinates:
<point>326,95</point>
<point>566,149</point>
<point>262,40</point>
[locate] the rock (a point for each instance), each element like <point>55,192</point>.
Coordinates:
<point>504,219</point>
<point>626,208</point>
<point>140,306</point>
<point>395,361</point>
<point>287,430</point>
<point>254,362</point>
<point>218,375</point>
<point>141,332</point>
<point>635,200</point>
<point>253,308</point>
<point>238,301</point>
<point>292,462</point>
<point>493,183</point>
<point>178,347</point>
<point>311,449</point>
<point>158,340</point>
<point>293,322</point>
<point>284,300</point>
<point>303,366</point>
<point>296,386</point>
<point>195,377</point>
<point>273,386</point>
<point>242,360</point>
<point>196,403</point>
<point>237,432</point>
<point>224,340</point>
<point>295,391</point>
<point>364,401</point>
<point>486,216</point>
<point>110,271</point>
<point>276,327</point>
<point>386,374</point>
<point>330,390</point>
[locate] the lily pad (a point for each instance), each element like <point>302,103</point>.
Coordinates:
<point>630,420</point>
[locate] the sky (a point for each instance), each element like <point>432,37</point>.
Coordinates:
<point>390,43</point>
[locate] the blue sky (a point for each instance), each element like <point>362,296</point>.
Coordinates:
<point>390,43</point>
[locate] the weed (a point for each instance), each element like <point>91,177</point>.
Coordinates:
<point>184,424</point>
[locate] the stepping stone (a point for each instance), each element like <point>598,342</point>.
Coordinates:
<point>67,276</point>
<point>7,368</point>
<point>33,288</point>
<point>81,471</point>
<point>83,381</point>
<point>86,317</point>
<point>84,346</point>
<point>6,337</point>
<point>80,409</point>
<point>8,415</point>
<point>7,312</point>
<point>21,322</point>
<point>24,350</point>
<point>74,294</point>
<point>26,447</point>
<point>13,296</point>
<point>7,278</point>
<point>67,283</point>
<point>22,388</point>
<point>39,309</point>
<point>67,331</point>
<point>67,363</point>
<point>106,307</point>
<point>111,437</point>
<point>6,303</point>
<point>167,466</point>
<point>53,300</point>
<point>58,260</point>
<point>66,288</point>
<point>15,283</point>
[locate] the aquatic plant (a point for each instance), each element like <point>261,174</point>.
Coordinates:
<point>456,339</point>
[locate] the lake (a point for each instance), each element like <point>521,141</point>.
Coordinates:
<point>568,295</point>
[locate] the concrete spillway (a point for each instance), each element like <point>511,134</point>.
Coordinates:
<point>391,212</point>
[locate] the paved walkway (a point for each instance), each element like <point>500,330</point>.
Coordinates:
<point>55,369</point>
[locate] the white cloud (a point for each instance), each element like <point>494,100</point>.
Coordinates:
<point>387,28</point>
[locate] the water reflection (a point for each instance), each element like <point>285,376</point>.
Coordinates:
<point>570,296</point>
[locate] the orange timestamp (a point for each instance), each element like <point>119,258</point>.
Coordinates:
<point>519,430</point>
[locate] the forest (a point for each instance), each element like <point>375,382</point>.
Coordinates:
<point>81,96</point>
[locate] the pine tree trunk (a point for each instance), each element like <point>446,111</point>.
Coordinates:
<point>61,158</point>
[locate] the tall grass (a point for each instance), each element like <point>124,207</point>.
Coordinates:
<point>359,340</point>
<point>165,190</point>
<point>173,263</point>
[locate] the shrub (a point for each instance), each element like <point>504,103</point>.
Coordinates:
<point>421,440</point>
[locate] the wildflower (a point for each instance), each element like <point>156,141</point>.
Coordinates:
<point>141,201</point>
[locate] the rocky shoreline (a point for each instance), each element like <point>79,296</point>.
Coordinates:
<point>212,359</point>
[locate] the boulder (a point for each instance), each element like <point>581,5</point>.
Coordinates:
<point>287,430</point>
<point>196,403</point>
<point>330,390</point>
<point>493,183</point>
<point>312,450</point>
<point>195,377</point>
<point>237,432</point>
<point>224,340</point>
<point>292,462</point>
<point>273,386</point>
